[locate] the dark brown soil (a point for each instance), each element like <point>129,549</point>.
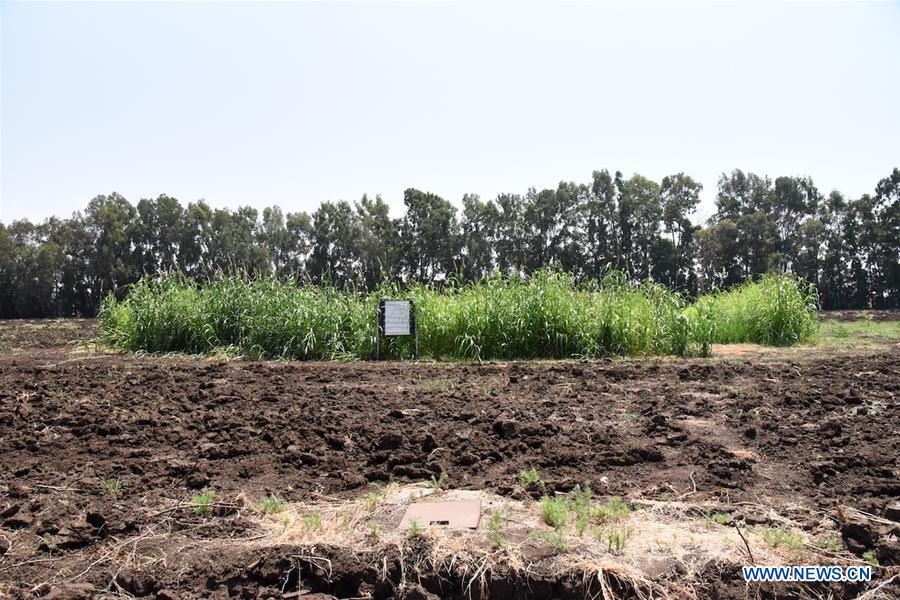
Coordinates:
<point>856,315</point>
<point>802,433</point>
<point>57,334</point>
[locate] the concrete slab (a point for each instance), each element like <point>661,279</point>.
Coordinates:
<point>461,514</point>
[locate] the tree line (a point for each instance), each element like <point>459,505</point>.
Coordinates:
<point>849,248</point>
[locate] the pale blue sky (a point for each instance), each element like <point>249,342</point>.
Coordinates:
<point>293,104</point>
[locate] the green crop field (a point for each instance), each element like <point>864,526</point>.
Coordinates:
<point>545,316</point>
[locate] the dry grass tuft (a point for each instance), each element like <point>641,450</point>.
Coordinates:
<point>663,538</point>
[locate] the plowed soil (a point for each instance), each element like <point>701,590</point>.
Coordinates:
<point>95,447</point>
<point>857,315</point>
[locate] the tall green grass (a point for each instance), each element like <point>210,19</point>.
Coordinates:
<point>545,316</point>
<point>775,311</point>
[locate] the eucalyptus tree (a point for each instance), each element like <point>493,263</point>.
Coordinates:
<point>479,228</point>
<point>552,227</point>
<point>510,234</point>
<point>568,243</point>
<point>719,254</point>
<point>156,233</point>
<point>886,247</point>
<point>8,279</point>
<point>601,231</point>
<point>197,243</point>
<point>273,237</point>
<point>640,214</point>
<point>73,238</point>
<point>378,243</point>
<point>430,235</point>
<point>334,255</point>
<point>34,288</point>
<point>108,221</point>
<point>235,241</point>
<point>299,228</point>
<point>835,263</point>
<point>793,200</point>
<point>741,193</point>
<point>679,196</point>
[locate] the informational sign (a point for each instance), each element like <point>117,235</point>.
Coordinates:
<point>396,317</point>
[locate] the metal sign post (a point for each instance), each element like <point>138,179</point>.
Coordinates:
<point>395,318</point>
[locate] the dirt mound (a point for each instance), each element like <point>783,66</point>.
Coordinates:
<point>94,447</point>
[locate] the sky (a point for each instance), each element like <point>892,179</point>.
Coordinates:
<point>292,104</point>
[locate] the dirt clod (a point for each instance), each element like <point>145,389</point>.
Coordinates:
<point>71,591</point>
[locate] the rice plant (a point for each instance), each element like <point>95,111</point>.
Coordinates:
<point>528,477</point>
<point>415,530</point>
<point>782,536</point>
<point>438,484</point>
<point>112,486</point>
<point>831,543</point>
<point>546,315</point>
<point>312,521</point>
<point>495,526</point>
<point>613,511</point>
<point>202,503</point>
<point>554,512</point>
<point>617,538</point>
<point>270,504</point>
<point>556,539</point>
